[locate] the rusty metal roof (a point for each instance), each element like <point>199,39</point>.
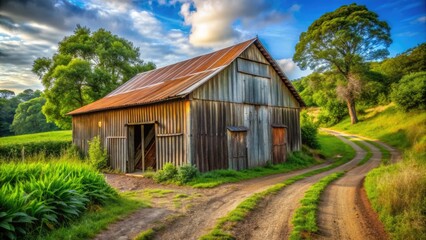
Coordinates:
<point>176,80</point>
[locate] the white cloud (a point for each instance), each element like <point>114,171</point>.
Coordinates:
<point>216,22</point>
<point>421,19</point>
<point>291,70</point>
<point>295,8</point>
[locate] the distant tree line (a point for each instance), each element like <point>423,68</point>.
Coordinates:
<point>87,66</point>
<point>22,113</point>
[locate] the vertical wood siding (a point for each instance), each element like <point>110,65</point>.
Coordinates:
<point>242,95</point>
<point>209,122</point>
<point>170,130</point>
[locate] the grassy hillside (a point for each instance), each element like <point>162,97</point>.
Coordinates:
<point>399,129</point>
<point>398,191</point>
<point>46,143</point>
<point>65,135</point>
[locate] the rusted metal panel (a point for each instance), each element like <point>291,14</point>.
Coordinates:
<point>170,118</point>
<point>166,82</point>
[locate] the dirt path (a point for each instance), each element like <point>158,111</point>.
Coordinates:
<point>219,201</point>
<point>344,211</point>
<point>272,219</point>
<point>207,208</point>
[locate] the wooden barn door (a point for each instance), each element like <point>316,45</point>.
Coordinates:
<point>279,144</point>
<point>141,147</point>
<point>237,150</point>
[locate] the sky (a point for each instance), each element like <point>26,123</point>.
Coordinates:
<point>168,31</point>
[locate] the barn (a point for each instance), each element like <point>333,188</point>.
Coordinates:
<point>229,109</point>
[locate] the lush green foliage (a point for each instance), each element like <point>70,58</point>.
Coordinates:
<point>410,92</point>
<point>98,157</point>
<point>37,197</point>
<point>343,41</point>
<point>29,118</point>
<point>309,131</point>
<point>305,218</point>
<point>97,218</point>
<point>23,146</point>
<point>180,175</point>
<point>86,67</point>
<point>8,104</point>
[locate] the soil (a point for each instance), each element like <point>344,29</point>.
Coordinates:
<point>272,219</point>
<point>344,210</point>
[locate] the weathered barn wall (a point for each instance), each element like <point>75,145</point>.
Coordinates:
<point>209,122</point>
<point>247,93</point>
<point>171,127</point>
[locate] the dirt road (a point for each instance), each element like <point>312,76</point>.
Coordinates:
<point>219,202</point>
<point>272,220</point>
<point>197,220</point>
<point>344,212</point>
<point>339,211</point>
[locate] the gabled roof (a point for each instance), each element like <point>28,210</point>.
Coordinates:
<point>177,80</point>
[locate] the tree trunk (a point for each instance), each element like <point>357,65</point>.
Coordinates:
<point>352,111</point>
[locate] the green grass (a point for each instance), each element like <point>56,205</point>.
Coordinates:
<point>65,135</point>
<point>297,160</point>
<point>368,154</point>
<point>93,222</point>
<point>224,225</point>
<point>305,218</point>
<point>386,156</point>
<point>332,148</point>
<point>145,235</point>
<point>397,192</point>
<point>386,123</point>
<point>24,146</point>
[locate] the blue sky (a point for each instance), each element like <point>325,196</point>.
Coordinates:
<point>168,31</point>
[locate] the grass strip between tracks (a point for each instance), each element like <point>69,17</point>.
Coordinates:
<point>305,218</point>
<point>365,148</point>
<point>386,156</point>
<point>225,224</point>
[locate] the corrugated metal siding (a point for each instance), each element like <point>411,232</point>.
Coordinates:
<point>171,131</point>
<point>209,122</point>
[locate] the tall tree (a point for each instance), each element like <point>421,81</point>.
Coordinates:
<point>343,41</point>
<point>86,67</point>
<point>29,118</point>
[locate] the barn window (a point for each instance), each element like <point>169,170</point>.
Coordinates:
<point>279,143</point>
<point>253,68</point>
<point>237,148</point>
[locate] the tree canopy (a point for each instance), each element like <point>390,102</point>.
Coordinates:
<point>30,119</point>
<point>342,41</point>
<point>86,67</point>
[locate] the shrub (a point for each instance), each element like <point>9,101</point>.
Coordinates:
<point>186,173</point>
<point>98,157</point>
<point>37,197</point>
<point>309,131</point>
<point>24,150</point>
<point>168,173</point>
<point>410,92</point>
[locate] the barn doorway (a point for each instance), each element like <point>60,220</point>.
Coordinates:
<point>142,142</point>
<point>279,144</point>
